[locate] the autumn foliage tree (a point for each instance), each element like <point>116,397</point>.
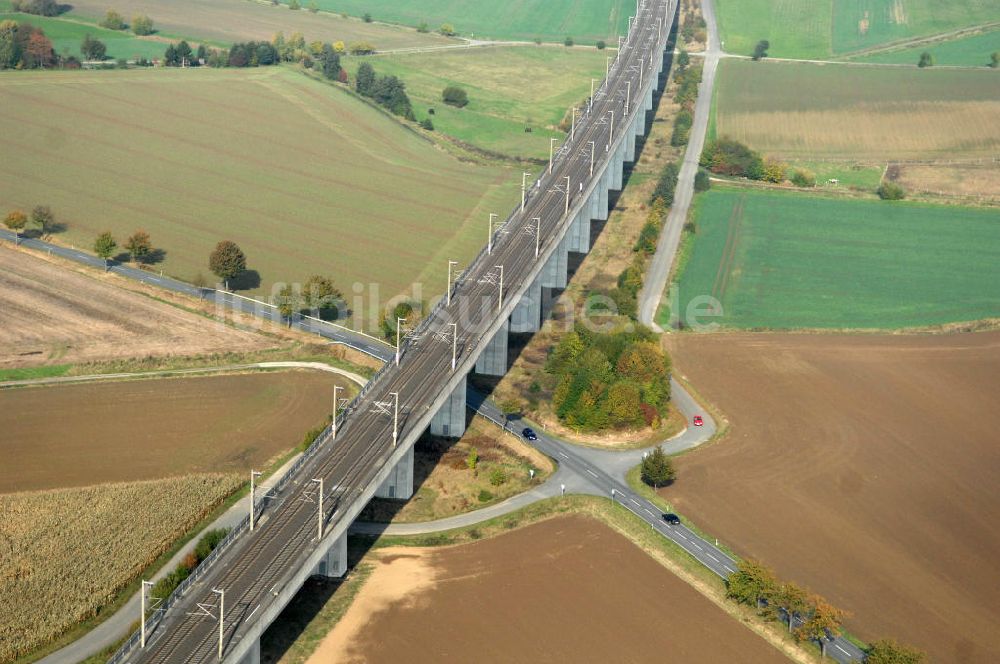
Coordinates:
<point>821,623</point>
<point>139,246</point>
<point>16,221</point>
<point>751,583</point>
<point>887,651</point>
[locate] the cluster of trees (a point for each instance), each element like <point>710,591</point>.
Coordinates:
<point>625,295</point>
<point>387,91</point>
<point>138,246</point>
<point>693,27</point>
<point>727,156</point>
<point>387,323</point>
<point>614,380</point>
<point>92,49</point>
<point>455,96</point>
<point>113,21</point>
<point>23,46</point>
<point>687,79</point>
<point>38,7</point>
<point>208,543</point>
<point>318,297</point>
<point>890,191</point>
<point>755,585</point>
<point>41,217</point>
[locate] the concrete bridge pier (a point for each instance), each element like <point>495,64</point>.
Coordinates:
<point>618,166</point>
<point>603,188</point>
<point>333,564</point>
<point>527,316</point>
<point>595,198</point>
<point>556,269</point>
<point>253,655</point>
<point>649,103</point>
<point>579,232</point>
<point>630,140</point>
<point>399,484</point>
<point>449,421</point>
<point>493,360</point>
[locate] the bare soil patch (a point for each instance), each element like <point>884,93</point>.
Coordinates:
<point>863,467</point>
<point>50,314</point>
<point>566,589</point>
<point>78,435</point>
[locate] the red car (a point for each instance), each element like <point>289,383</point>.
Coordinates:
<point>698,421</point>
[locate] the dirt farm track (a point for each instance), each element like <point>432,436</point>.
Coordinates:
<point>565,590</point>
<point>864,467</point>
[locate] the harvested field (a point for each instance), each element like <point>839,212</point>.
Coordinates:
<point>78,435</point>
<point>228,21</point>
<point>974,182</point>
<point>863,467</point>
<point>298,173</point>
<point>567,589</point>
<point>789,261</point>
<point>65,553</point>
<point>814,111</point>
<point>50,313</point>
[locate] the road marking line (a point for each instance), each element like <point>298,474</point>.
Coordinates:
<point>591,472</point>
<point>252,612</point>
<point>712,557</point>
<point>696,546</point>
<point>841,649</point>
<point>634,501</point>
<point>563,455</point>
<point>650,513</point>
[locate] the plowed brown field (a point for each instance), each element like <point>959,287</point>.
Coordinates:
<point>564,590</point>
<point>50,314</point>
<point>864,467</point>
<point>79,435</point>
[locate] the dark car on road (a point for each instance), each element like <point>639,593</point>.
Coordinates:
<point>529,434</point>
<point>672,519</point>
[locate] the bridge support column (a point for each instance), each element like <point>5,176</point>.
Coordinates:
<point>595,198</point>
<point>333,565</point>
<point>449,421</point>
<point>527,314</point>
<point>556,269</point>
<point>253,655</point>
<point>602,189</point>
<point>579,232</point>
<point>630,143</point>
<point>618,165</point>
<point>493,360</point>
<point>399,484</point>
<point>649,102</point>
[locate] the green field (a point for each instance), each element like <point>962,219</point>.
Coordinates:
<point>67,35</point>
<point>789,261</point>
<point>550,20</point>
<point>228,21</point>
<point>973,51</point>
<point>503,99</point>
<point>824,28</point>
<point>304,177</point>
<point>828,111</point>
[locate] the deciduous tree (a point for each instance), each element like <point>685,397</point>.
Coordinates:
<point>322,297</point>
<point>38,52</point>
<point>142,25</point>
<point>227,261</point>
<point>139,246</point>
<point>113,21</point>
<point>42,217</point>
<point>16,221</point>
<point>926,60</point>
<point>751,583</point>
<point>760,50</point>
<point>822,622</point>
<point>455,96</point>
<point>887,651</point>
<point>104,246</point>
<point>93,49</point>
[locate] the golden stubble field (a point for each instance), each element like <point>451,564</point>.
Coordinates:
<point>55,314</point>
<point>816,111</point>
<point>567,589</point>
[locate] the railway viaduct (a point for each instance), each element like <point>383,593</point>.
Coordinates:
<point>300,528</point>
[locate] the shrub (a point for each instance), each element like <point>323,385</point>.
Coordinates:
<point>485,496</point>
<point>366,17</point>
<point>760,50</point>
<point>423,27</point>
<point>601,45</point>
<point>142,25</point>
<point>447,29</point>
<point>113,21</point>
<point>702,181</point>
<point>498,476</point>
<point>926,60</point>
<point>890,191</point>
<point>472,459</point>
<point>802,177</point>
<point>568,41</point>
<point>730,157</point>
<point>682,128</point>
<point>774,170</point>
<point>427,124</point>
<point>455,96</point>
<point>37,7</point>
<point>361,48</point>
